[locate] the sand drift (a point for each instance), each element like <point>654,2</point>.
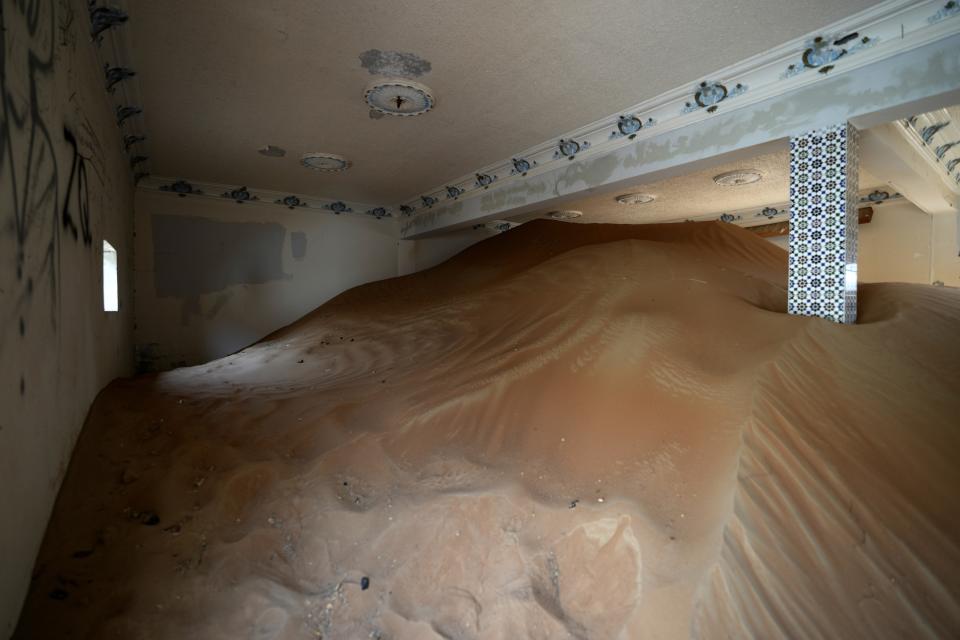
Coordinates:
<point>567,431</point>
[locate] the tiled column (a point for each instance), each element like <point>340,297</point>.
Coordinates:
<point>822,277</point>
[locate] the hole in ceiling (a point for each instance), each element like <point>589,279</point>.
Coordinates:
<point>326,162</point>
<point>394,63</point>
<point>738,178</point>
<point>399,98</point>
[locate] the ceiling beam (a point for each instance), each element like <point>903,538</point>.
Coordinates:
<point>895,86</point>
<point>888,154</point>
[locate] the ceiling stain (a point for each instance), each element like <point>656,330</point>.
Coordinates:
<point>272,152</point>
<point>394,63</point>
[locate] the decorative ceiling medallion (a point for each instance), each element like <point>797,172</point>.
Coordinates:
<point>326,162</point>
<point>635,198</point>
<point>399,98</point>
<point>738,178</point>
<point>565,214</point>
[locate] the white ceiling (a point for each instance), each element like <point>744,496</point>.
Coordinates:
<point>222,78</point>
<point>695,194</point>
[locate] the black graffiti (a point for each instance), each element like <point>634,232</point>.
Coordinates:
<point>28,165</point>
<point>31,178</point>
<point>78,178</point>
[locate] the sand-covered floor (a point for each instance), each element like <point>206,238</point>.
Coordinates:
<point>567,431</point>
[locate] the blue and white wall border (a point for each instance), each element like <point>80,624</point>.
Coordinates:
<point>244,195</point>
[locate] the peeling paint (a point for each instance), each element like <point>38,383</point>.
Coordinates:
<point>298,245</point>
<point>924,72</point>
<point>394,63</point>
<point>195,256</point>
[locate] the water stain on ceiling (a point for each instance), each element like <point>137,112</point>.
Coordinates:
<point>397,64</point>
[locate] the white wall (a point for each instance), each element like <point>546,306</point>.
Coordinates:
<point>896,245</point>
<point>214,276</point>
<point>417,255</point>
<point>58,347</point>
<point>904,244</point>
<point>946,249</point>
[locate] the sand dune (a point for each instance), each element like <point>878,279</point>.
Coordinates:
<point>567,431</point>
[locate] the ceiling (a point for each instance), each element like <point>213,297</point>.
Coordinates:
<point>695,194</point>
<point>222,78</point>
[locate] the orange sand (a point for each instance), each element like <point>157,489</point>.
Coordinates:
<point>567,431</point>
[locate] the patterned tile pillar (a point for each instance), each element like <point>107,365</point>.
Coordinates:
<point>822,276</point>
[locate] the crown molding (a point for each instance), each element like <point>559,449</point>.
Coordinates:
<point>780,212</point>
<point>747,218</point>
<point>884,31</point>
<point>121,82</point>
<point>240,194</point>
<point>935,136</point>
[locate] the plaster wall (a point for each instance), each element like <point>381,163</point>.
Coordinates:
<point>904,244</point>
<point>215,276</point>
<point>64,187</point>
<point>896,245</point>
<point>417,255</point>
<point>945,239</point>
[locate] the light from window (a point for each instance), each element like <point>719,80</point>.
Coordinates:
<point>110,300</point>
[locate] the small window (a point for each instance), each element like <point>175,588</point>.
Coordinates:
<point>110,300</point>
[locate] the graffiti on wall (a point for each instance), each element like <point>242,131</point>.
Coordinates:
<point>45,167</point>
<point>28,164</point>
